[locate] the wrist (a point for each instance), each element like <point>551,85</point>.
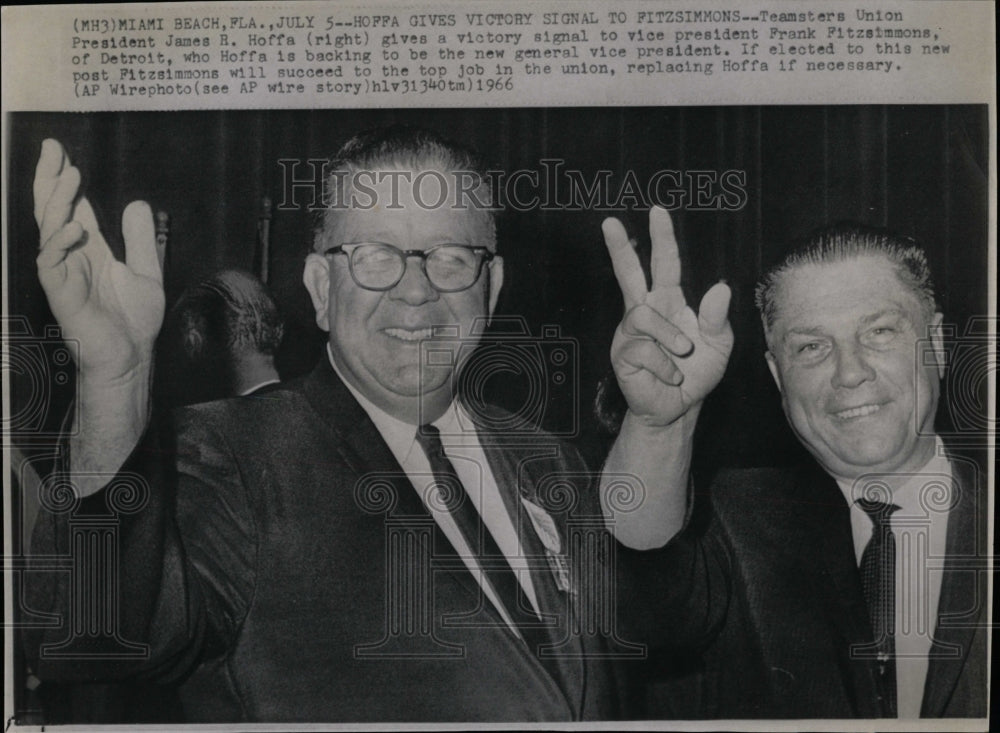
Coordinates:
<point>108,397</point>
<point>137,376</point>
<point>111,414</point>
<point>642,427</point>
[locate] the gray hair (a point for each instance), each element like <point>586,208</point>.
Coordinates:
<point>231,310</point>
<point>404,148</point>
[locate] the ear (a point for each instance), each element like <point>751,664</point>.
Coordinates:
<point>494,284</point>
<point>193,342</point>
<point>937,342</point>
<point>772,366</point>
<point>316,278</point>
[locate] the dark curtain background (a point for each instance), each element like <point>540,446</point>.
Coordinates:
<point>921,170</point>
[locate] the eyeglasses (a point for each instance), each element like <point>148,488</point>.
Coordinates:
<point>449,268</point>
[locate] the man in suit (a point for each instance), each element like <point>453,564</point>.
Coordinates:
<point>857,584</point>
<point>313,556</point>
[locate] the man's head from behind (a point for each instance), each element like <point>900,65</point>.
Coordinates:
<point>406,242</point>
<point>227,329</point>
<point>852,328</point>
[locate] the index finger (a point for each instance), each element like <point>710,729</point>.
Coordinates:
<point>665,259</point>
<point>51,161</point>
<point>140,241</point>
<point>624,260</point>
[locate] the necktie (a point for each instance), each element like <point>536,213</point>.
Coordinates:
<point>878,580</point>
<point>490,559</point>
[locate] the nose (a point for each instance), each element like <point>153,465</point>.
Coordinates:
<point>852,369</point>
<point>414,288</point>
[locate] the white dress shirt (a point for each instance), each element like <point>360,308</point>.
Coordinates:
<point>257,386</point>
<point>464,449</point>
<point>920,528</point>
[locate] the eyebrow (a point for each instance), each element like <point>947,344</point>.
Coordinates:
<point>795,334</point>
<point>897,312</point>
<point>815,331</point>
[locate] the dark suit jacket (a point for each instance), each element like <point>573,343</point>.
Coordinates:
<point>286,577</point>
<point>796,607</point>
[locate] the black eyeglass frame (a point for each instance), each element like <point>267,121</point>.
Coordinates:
<point>348,248</point>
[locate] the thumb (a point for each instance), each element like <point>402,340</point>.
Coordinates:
<point>140,241</point>
<point>713,313</point>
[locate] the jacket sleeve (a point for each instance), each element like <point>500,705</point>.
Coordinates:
<point>676,596</point>
<point>672,598</point>
<point>151,574</point>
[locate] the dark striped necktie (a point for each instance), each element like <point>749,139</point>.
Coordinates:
<point>878,580</point>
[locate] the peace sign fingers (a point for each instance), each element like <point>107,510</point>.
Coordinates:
<point>625,262</point>
<point>665,259</point>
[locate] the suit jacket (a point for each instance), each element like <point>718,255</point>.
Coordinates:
<point>796,607</point>
<point>277,565</point>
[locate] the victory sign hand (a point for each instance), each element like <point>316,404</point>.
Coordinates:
<point>666,358</point>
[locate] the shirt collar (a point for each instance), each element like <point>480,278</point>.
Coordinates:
<point>909,492</point>
<point>258,386</point>
<point>916,495</point>
<point>401,436</point>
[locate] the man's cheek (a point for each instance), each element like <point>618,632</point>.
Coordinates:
<point>794,393</point>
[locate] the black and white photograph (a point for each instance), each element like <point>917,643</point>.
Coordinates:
<point>259,575</point>
<point>655,415</point>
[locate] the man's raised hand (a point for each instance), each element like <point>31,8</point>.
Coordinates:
<point>109,311</point>
<point>666,358</point>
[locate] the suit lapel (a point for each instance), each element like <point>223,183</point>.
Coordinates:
<point>828,533</point>
<point>359,442</point>
<point>960,609</point>
<point>365,451</point>
<point>514,480</point>
<point>829,526</point>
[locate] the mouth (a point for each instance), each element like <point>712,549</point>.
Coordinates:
<point>407,334</point>
<point>853,413</point>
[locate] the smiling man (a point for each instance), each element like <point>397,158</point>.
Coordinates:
<point>844,321</point>
<point>361,545</point>
<point>857,583</point>
<point>384,277</point>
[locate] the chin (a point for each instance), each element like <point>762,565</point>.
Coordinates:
<point>415,389</point>
<point>881,462</point>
